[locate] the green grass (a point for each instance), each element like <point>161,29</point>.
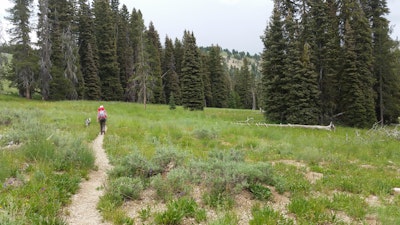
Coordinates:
<point>173,151</point>
<point>267,215</point>
<point>44,156</point>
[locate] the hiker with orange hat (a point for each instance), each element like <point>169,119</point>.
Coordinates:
<point>102,118</point>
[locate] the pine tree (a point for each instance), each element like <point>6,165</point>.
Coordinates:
<point>59,86</point>
<point>111,88</point>
<point>124,48</point>
<point>234,98</point>
<point>218,79</point>
<point>301,78</point>
<point>87,53</point>
<point>65,75</point>
<point>392,110</point>
<point>273,69</point>
<point>71,63</point>
<point>143,72</point>
<point>387,85</point>
<point>357,96</point>
<point>208,98</point>
<point>192,84</point>
<point>170,77</point>
<point>45,49</point>
<point>303,99</point>
<point>154,49</point>
<point>243,86</point>
<point>322,34</point>
<point>136,31</point>
<point>24,61</point>
<point>178,55</point>
<point>171,103</point>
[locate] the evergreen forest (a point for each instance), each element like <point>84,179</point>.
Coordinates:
<point>323,61</point>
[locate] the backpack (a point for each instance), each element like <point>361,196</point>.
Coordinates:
<point>102,115</point>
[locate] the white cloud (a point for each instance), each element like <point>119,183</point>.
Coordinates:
<point>231,2</point>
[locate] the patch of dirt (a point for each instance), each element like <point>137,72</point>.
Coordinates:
<point>290,162</point>
<point>372,220</point>
<point>373,201</point>
<point>279,202</point>
<point>147,201</point>
<point>244,203</point>
<point>367,166</point>
<point>82,210</point>
<point>312,177</point>
<point>343,217</point>
<point>13,182</point>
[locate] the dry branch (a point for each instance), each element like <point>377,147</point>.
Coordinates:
<point>246,122</point>
<point>329,127</point>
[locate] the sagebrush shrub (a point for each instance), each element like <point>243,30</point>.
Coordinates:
<point>134,165</point>
<point>126,188</point>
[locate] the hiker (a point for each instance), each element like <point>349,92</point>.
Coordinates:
<point>102,117</point>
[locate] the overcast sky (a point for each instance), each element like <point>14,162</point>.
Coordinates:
<point>231,24</point>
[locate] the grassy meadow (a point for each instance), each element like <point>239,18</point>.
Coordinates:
<point>194,167</point>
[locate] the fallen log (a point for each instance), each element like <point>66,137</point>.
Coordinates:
<point>246,122</point>
<point>330,127</point>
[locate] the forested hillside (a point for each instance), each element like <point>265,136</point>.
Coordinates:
<point>331,60</point>
<point>322,61</point>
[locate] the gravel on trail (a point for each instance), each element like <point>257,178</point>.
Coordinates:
<point>82,210</point>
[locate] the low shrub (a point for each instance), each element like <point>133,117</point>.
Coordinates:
<point>179,209</point>
<point>167,157</point>
<point>352,205</point>
<point>126,188</point>
<point>260,192</point>
<point>162,189</point>
<point>134,165</point>
<point>72,153</point>
<point>227,156</point>
<point>267,215</point>
<point>145,213</point>
<point>312,210</point>
<point>228,218</point>
<point>204,134</point>
<point>218,200</point>
<point>226,172</point>
<point>175,183</point>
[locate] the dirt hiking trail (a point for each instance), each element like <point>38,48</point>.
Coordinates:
<point>82,210</point>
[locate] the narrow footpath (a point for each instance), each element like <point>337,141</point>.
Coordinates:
<point>82,210</point>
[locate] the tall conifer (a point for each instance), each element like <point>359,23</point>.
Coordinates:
<point>87,52</point>
<point>61,16</point>
<point>24,60</point>
<point>170,77</point>
<point>301,78</point>
<point>125,49</point>
<point>273,69</point>
<point>387,83</point>
<point>357,96</point>
<point>154,49</point>
<point>243,86</point>
<point>218,79</point>
<point>111,88</point>
<point>45,48</point>
<point>136,31</point>
<point>205,76</point>
<point>192,84</point>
